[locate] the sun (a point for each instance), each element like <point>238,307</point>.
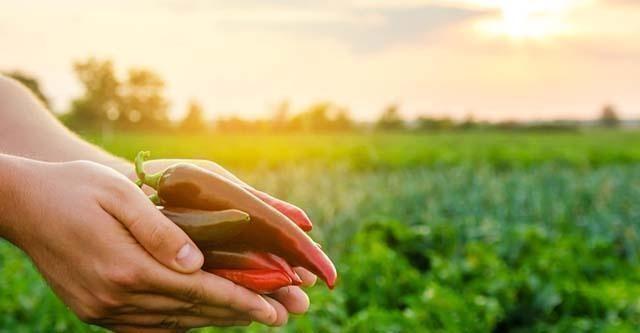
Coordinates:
<point>529,19</point>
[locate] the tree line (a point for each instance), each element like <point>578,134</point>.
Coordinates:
<point>137,101</point>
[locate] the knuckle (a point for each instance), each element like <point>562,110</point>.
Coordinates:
<point>272,318</point>
<point>134,220</point>
<point>92,313</point>
<point>170,322</point>
<point>128,278</point>
<point>191,308</point>
<point>194,293</point>
<point>108,301</point>
<point>159,237</point>
<point>118,190</point>
<point>113,190</point>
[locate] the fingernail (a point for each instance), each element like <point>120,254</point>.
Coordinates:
<point>188,257</point>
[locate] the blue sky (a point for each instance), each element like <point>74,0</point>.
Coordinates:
<point>497,59</point>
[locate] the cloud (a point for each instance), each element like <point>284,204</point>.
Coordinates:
<point>369,26</point>
<point>385,28</point>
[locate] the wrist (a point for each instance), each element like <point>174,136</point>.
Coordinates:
<point>12,171</point>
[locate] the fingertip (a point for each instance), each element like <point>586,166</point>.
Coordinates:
<point>294,299</point>
<point>308,279</point>
<point>267,314</point>
<point>282,315</point>
<point>189,259</point>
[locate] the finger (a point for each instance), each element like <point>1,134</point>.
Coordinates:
<point>138,329</point>
<point>293,298</point>
<point>211,290</point>
<point>283,314</point>
<point>294,213</point>
<point>145,303</point>
<point>171,322</point>
<point>164,240</point>
<point>308,278</point>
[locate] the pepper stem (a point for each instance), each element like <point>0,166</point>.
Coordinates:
<point>152,180</point>
<point>155,199</point>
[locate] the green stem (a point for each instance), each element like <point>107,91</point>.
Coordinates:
<point>155,199</point>
<point>152,180</point>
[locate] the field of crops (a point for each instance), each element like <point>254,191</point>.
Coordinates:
<point>451,232</point>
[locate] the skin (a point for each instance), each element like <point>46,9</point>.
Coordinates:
<point>105,250</point>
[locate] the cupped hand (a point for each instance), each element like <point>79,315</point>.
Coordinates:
<point>293,298</point>
<point>116,261</point>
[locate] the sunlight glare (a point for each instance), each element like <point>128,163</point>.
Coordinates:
<point>527,19</point>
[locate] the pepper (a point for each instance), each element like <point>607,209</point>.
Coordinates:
<point>260,281</point>
<point>189,186</point>
<point>207,228</point>
<point>258,271</point>
<point>296,214</point>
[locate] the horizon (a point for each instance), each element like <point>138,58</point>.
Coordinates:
<point>518,60</point>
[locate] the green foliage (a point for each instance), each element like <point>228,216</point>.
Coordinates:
<point>478,233</point>
<point>389,151</point>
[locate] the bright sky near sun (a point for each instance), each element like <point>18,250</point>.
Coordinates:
<point>496,59</point>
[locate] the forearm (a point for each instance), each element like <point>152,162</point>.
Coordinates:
<point>28,129</point>
<point>12,189</point>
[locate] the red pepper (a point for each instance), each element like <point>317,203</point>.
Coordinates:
<point>250,261</point>
<point>260,281</point>
<point>186,185</point>
<point>261,272</point>
<point>296,214</point>
<point>258,271</point>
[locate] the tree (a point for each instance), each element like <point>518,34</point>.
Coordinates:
<point>101,101</point>
<point>194,119</point>
<point>237,124</point>
<point>390,119</point>
<point>609,116</point>
<point>428,123</point>
<point>136,102</point>
<point>313,118</point>
<point>342,120</point>
<point>31,83</point>
<point>322,116</point>
<point>142,102</point>
<point>469,122</point>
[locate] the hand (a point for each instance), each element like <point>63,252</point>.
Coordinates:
<point>113,258</point>
<point>293,298</point>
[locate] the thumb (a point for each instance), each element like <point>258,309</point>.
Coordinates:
<point>164,240</point>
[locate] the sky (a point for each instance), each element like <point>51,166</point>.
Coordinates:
<point>494,59</point>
